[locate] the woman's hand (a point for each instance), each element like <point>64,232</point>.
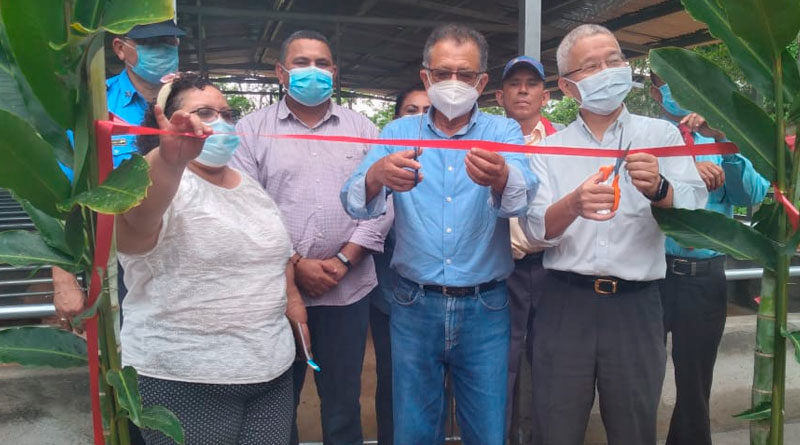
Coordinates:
<point>179,150</point>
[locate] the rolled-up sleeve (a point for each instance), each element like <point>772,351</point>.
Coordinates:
<point>370,234</point>
<point>522,183</point>
<point>533,221</point>
<point>743,185</point>
<point>354,192</point>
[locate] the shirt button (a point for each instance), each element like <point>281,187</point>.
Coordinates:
<point>603,243</point>
<point>448,261</point>
<point>320,234</point>
<point>314,154</point>
<point>448,199</point>
<point>449,230</point>
<point>449,168</point>
<point>317,181</point>
<point>319,207</point>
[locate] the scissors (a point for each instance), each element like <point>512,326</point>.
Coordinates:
<point>609,170</point>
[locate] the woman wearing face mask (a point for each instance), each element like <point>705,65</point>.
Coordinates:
<point>206,259</point>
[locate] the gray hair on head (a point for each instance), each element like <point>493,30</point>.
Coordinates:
<point>460,34</point>
<point>585,30</point>
<point>297,35</point>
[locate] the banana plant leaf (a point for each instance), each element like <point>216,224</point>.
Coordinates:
<point>38,346</point>
<point>22,248</point>
<point>124,189</point>
<point>160,418</point>
<point>710,230</point>
<point>760,412</point>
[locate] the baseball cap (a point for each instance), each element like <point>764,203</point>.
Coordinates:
<point>167,28</point>
<point>524,60</point>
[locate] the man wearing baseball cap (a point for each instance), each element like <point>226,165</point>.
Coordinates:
<point>522,95</point>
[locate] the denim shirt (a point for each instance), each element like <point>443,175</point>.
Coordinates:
<point>448,229</point>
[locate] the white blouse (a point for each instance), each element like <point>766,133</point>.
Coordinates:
<point>207,303</point>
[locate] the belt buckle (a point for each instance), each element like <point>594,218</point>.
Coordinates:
<point>445,292</point>
<point>598,286</point>
<point>692,267</point>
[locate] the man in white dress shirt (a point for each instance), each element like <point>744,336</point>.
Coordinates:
<point>599,322</point>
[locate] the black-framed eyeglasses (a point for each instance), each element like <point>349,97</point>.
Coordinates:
<point>208,114</point>
<point>466,76</point>
<point>593,66</point>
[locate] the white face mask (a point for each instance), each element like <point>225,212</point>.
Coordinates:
<point>452,98</point>
<point>603,92</point>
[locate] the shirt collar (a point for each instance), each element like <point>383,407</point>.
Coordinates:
<point>284,112</point>
<point>622,121</point>
<point>461,131</point>
<point>536,135</point>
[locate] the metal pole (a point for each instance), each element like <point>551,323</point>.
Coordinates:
<point>530,28</point>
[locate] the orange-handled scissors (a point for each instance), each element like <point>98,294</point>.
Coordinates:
<point>608,170</point>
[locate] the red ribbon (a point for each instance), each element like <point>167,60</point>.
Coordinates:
<point>466,144</point>
<point>791,211</point>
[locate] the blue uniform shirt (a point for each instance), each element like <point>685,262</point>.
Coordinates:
<point>130,106</point>
<point>743,187</point>
<point>448,230</point>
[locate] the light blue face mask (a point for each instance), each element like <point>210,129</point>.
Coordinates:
<point>669,103</point>
<point>310,85</point>
<point>603,93</point>
<point>219,148</point>
<point>155,61</point>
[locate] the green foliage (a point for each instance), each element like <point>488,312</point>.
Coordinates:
<point>699,85</point>
<point>124,189</point>
<point>50,229</point>
<point>563,111</point>
<point>691,228</point>
<point>241,103</point>
<point>159,418</point>
<point>760,412</point>
<point>28,166</point>
<point>498,111</point>
<point>37,346</point>
<point>383,116</point>
<point>22,248</point>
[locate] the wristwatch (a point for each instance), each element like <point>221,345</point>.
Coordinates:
<point>663,189</point>
<point>343,258</point>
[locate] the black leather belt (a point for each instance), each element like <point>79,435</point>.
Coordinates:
<point>690,266</point>
<point>466,291</point>
<point>536,256</point>
<point>602,285</point>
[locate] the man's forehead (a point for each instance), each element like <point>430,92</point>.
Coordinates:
<point>523,72</point>
<point>453,49</point>
<point>308,48</point>
<point>594,45</point>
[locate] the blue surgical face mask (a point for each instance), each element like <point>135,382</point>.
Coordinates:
<point>219,148</point>
<point>155,61</point>
<point>310,85</point>
<point>603,93</point>
<point>669,103</point>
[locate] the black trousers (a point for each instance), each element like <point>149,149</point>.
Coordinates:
<point>524,291</point>
<point>584,341</point>
<point>338,340</point>
<point>694,312</point>
<point>379,325</point>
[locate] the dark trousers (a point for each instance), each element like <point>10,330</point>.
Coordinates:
<point>524,291</point>
<point>694,312</point>
<point>585,341</point>
<point>338,340</point>
<point>379,325</point>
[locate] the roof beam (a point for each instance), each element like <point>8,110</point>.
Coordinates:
<point>302,17</point>
<point>458,11</point>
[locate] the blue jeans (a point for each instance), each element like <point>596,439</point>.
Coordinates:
<point>466,336</point>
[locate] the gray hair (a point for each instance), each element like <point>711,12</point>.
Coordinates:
<point>460,34</point>
<point>297,35</point>
<point>586,30</point>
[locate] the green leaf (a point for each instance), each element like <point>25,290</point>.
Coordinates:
<point>50,229</point>
<point>701,86</point>
<point>126,391</point>
<point>74,233</point>
<point>771,24</point>
<point>18,98</point>
<point>711,230</point>
<point>78,320</point>
<point>31,26</point>
<point>754,60</point>
<point>28,167</point>
<point>88,13</point>
<point>36,346</point>
<point>766,219</point>
<point>22,248</point>
<point>794,337</point>
<point>760,412</point>
<point>124,189</point>
<point>120,16</point>
<point>160,418</point>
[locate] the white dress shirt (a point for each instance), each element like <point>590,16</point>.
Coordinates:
<point>630,245</point>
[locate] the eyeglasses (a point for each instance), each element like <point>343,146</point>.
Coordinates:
<point>594,66</point>
<point>440,75</point>
<point>208,114</point>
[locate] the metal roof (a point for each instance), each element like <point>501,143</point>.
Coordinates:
<point>378,44</point>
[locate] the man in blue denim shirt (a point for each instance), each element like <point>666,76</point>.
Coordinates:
<point>694,292</point>
<point>450,307</point>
